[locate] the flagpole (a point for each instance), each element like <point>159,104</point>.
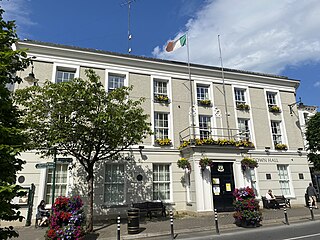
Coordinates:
<point>224,89</point>
<point>191,93</point>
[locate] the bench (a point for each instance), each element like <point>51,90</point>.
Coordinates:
<point>281,200</point>
<point>151,207</point>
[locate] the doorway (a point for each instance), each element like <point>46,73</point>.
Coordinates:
<point>222,186</point>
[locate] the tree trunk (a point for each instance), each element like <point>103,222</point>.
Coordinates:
<point>90,199</point>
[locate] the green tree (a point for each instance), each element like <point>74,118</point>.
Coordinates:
<point>81,119</point>
<point>313,138</point>
<point>12,140</point>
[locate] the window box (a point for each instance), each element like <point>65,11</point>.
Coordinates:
<point>161,98</point>
<point>163,142</point>
<point>204,102</point>
<point>281,146</point>
<point>243,106</point>
<point>274,109</point>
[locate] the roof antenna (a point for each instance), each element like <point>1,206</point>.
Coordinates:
<point>128,3</point>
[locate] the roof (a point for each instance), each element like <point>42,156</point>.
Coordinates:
<point>154,59</point>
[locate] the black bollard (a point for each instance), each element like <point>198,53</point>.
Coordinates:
<point>216,221</point>
<point>286,215</point>
<point>171,223</point>
<point>311,210</point>
<point>118,228</point>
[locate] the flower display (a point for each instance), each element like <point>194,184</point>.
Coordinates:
<point>161,98</point>
<point>243,106</point>
<point>66,221</point>
<point>281,146</point>
<point>248,163</point>
<point>219,142</point>
<point>163,142</point>
<point>274,109</point>
<point>247,212</point>
<point>184,163</point>
<point>204,162</point>
<point>204,102</point>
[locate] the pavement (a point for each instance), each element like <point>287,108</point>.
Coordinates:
<point>160,226</point>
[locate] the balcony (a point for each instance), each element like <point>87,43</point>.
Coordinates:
<point>215,137</point>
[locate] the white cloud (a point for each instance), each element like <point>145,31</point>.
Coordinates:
<point>18,10</point>
<point>264,35</point>
<point>316,84</point>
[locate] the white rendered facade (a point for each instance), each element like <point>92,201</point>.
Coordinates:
<point>285,171</point>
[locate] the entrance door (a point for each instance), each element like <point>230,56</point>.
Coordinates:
<point>222,186</point>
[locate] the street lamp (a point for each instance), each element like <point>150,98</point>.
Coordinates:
<point>31,77</point>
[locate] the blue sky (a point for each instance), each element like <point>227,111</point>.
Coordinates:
<point>270,36</point>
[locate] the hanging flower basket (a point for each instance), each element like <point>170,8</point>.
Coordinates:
<point>281,146</point>
<point>247,163</point>
<point>204,162</point>
<point>184,163</point>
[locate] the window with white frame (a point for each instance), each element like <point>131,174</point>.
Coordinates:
<point>115,81</point>
<point>160,87</point>
<point>271,99</point>
<point>244,130</point>
<point>276,132</point>
<point>204,126</point>
<point>202,92</point>
<point>114,183</point>
<point>161,182</point>
<point>239,95</point>
<point>284,180</point>
<point>63,75</point>
<point>61,181</point>
<point>161,125</point>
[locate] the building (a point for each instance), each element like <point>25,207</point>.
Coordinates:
<point>243,115</point>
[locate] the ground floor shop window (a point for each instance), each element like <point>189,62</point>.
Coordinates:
<point>161,182</point>
<point>284,179</point>
<point>114,183</point>
<point>60,182</point>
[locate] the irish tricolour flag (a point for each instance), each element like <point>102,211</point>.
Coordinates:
<point>173,45</point>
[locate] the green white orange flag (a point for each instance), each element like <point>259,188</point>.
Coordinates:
<point>180,42</point>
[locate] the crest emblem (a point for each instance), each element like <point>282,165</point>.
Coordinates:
<point>220,168</point>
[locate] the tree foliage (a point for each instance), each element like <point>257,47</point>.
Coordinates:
<point>12,140</point>
<point>81,119</point>
<point>313,138</point>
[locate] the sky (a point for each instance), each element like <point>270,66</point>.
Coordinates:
<point>279,37</point>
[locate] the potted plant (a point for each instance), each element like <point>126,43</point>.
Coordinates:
<point>204,162</point>
<point>248,163</point>
<point>243,106</point>
<point>247,212</point>
<point>281,146</point>
<point>274,109</point>
<point>161,98</point>
<point>67,219</point>
<point>184,163</point>
<point>163,142</point>
<point>204,102</point>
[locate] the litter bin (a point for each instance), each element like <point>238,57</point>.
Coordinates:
<point>133,220</point>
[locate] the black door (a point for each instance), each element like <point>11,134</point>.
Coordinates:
<point>222,186</point>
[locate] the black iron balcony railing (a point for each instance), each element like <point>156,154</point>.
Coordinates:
<point>215,136</point>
